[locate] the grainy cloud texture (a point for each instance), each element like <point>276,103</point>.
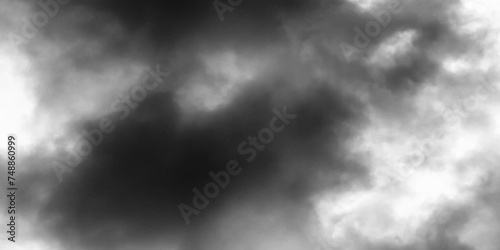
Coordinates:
<point>239,124</point>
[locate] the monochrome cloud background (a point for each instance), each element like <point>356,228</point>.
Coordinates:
<point>326,178</point>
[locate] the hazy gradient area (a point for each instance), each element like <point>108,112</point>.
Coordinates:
<point>423,93</point>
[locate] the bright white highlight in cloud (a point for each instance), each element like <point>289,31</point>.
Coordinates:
<point>366,5</point>
<point>226,72</point>
<point>399,210</point>
<point>395,46</point>
<point>17,104</point>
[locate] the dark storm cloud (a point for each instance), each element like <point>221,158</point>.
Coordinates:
<point>92,36</point>
<point>128,189</point>
<point>145,168</point>
<point>167,25</point>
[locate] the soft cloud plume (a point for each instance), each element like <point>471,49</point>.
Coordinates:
<point>332,178</point>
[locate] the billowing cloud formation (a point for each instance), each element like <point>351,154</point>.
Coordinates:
<point>391,147</point>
